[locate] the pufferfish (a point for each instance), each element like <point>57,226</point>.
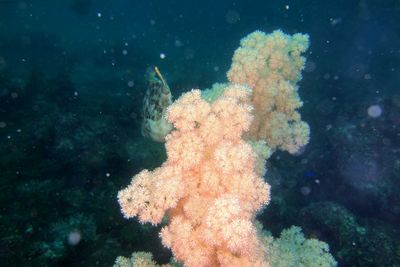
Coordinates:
<point>156,101</point>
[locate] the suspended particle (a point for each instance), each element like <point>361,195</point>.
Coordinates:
<point>374,111</point>
<point>131,83</point>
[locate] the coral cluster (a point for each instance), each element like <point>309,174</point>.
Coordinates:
<point>211,186</point>
<point>293,249</point>
<point>138,259</point>
<point>271,64</point>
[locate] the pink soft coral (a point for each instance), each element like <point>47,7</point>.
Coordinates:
<point>271,64</point>
<point>209,185</point>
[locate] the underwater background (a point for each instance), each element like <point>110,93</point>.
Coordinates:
<point>72,83</point>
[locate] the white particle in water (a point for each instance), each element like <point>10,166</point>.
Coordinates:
<point>74,237</point>
<point>374,111</point>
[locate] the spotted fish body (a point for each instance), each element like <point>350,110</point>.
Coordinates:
<point>156,101</point>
